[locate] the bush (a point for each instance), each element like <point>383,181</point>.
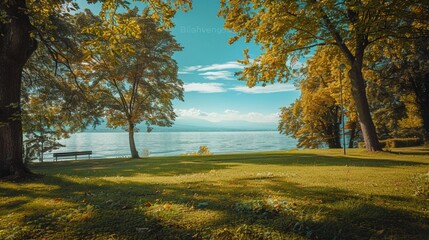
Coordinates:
<point>362,144</point>
<point>403,142</point>
<point>203,151</point>
<point>397,142</point>
<point>145,153</point>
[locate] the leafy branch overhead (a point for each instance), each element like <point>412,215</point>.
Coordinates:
<point>286,30</point>
<point>26,25</point>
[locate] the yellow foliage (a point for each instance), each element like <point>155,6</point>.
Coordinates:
<point>413,119</point>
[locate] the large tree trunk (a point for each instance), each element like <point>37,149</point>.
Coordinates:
<point>359,96</point>
<point>134,152</point>
<point>16,47</point>
<point>333,143</point>
<point>358,84</point>
<point>332,130</point>
<point>424,106</point>
<point>353,131</point>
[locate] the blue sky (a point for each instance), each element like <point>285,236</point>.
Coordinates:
<point>207,65</point>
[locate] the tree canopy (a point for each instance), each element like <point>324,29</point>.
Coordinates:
<point>27,24</point>
<point>315,118</point>
<point>136,86</point>
<point>289,29</point>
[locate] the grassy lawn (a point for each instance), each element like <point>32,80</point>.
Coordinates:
<point>311,194</point>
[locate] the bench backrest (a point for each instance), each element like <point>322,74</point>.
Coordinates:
<point>72,153</point>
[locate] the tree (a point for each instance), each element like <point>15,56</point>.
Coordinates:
<point>286,29</point>
<point>24,24</point>
<point>16,46</point>
<point>387,106</point>
<point>52,108</point>
<point>315,118</point>
<point>406,68</point>
<point>138,85</point>
<point>391,97</point>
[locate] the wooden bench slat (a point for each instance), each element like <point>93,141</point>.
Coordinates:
<point>66,154</point>
<point>73,153</point>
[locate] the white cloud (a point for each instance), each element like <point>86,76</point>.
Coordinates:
<point>227,115</point>
<point>274,88</point>
<point>192,68</point>
<point>213,67</point>
<point>190,112</point>
<point>222,66</point>
<point>217,75</point>
<point>231,111</point>
<point>204,87</point>
<point>180,72</point>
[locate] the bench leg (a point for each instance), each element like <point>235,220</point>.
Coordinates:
<point>75,157</point>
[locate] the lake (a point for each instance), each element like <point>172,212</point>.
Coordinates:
<point>115,144</point>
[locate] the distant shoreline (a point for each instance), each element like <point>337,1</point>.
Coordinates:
<point>116,144</point>
<point>178,131</point>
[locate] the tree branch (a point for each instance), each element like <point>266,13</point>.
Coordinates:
<point>337,37</point>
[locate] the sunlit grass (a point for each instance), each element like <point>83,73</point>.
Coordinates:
<point>318,194</point>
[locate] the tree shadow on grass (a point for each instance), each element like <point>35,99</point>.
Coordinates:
<point>131,210</point>
<point>71,210</point>
<point>190,165</point>
<point>129,167</point>
<point>316,160</point>
<point>346,215</point>
<point>321,212</point>
<point>366,221</point>
<point>414,152</point>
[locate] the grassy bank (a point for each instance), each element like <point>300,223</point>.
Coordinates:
<point>316,194</point>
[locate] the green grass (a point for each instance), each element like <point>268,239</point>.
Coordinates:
<point>311,194</point>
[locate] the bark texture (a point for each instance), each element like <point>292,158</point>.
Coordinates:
<point>359,96</point>
<point>134,152</point>
<point>333,128</point>
<point>353,133</point>
<point>424,105</point>
<point>16,47</point>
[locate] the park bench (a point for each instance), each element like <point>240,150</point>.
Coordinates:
<point>75,154</point>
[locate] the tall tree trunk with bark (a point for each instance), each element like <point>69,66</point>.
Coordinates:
<point>16,46</point>
<point>424,105</point>
<point>357,81</point>
<point>332,129</point>
<point>134,152</point>
<point>359,96</point>
<point>353,131</point>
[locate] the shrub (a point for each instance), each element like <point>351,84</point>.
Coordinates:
<point>403,142</point>
<point>203,151</point>
<point>145,153</point>
<point>397,142</point>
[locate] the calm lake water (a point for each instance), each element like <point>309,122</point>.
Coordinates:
<point>115,144</point>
